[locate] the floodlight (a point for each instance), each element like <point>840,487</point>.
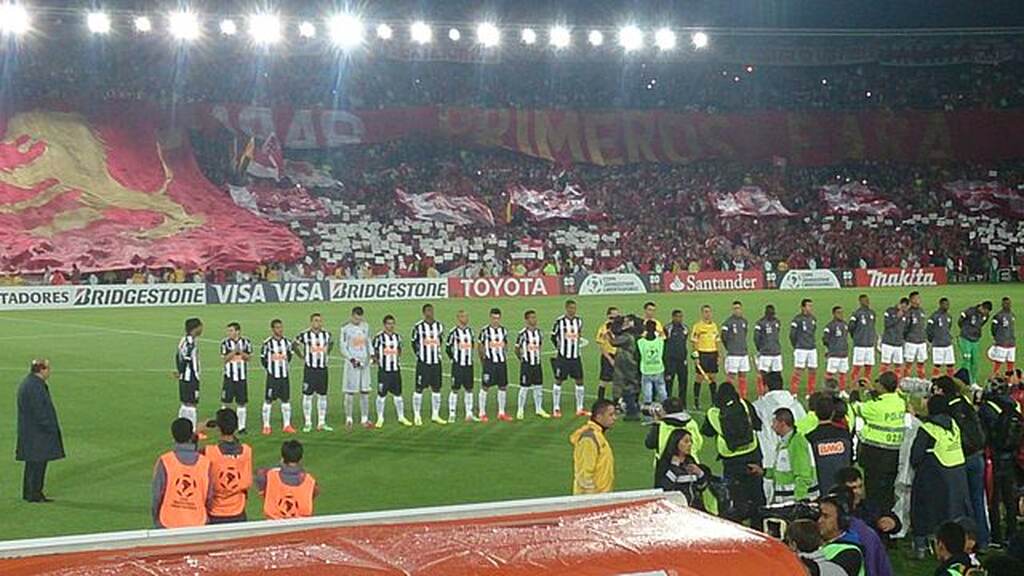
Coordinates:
<point>143,24</point>
<point>595,37</point>
<point>421,32</point>
<point>98,22</point>
<point>307,29</point>
<point>228,27</point>
<point>345,30</point>
<point>529,36</point>
<point>265,28</point>
<point>454,35</point>
<point>560,37</point>
<point>14,19</point>
<point>384,32</point>
<point>631,38</point>
<point>183,25</point>
<point>488,34</point>
<point>699,39</point>
<point>665,39</point>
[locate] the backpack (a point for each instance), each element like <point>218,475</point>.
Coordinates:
<point>972,435</point>
<point>737,431</point>
<point>1009,431</point>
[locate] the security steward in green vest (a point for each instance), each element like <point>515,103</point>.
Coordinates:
<point>878,453</point>
<point>673,416</point>
<point>739,463</point>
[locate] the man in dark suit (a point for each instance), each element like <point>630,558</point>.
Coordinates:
<point>39,438</point>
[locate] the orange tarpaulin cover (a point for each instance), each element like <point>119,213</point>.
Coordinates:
<point>652,537</point>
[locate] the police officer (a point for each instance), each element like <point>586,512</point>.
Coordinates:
<point>880,439</point>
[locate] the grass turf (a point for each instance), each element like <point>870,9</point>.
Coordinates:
<point>113,386</point>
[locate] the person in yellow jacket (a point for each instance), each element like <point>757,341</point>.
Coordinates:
<point>592,459</point>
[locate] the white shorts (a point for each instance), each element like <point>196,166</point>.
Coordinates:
<point>737,364</point>
<point>892,354</point>
<point>805,359</point>
<point>943,356</point>
<point>915,352</point>
<point>769,363</point>
<point>1002,354</point>
<point>863,356</point>
<point>837,365</point>
<point>356,380</point>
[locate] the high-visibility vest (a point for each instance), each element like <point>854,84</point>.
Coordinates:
<point>232,477</point>
<point>883,421</point>
<point>833,549</point>
<point>947,449</point>
<point>784,476</point>
<point>282,501</point>
<point>184,501</point>
<point>665,431</point>
<point>714,417</point>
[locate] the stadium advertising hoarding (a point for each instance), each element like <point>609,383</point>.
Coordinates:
<point>38,297</point>
<point>264,292</point>
<point>895,277</point>
<point>389,289</point>
<point>808,279</point>
<point>592,284</point>
<point>712,281</point>
<point>129,295</point>
<point>504,287</point>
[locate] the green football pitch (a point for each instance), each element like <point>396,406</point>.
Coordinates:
<point>114,390</point>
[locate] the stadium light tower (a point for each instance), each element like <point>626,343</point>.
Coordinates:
<point>384,32</point>
<point>529,36</point>
<point>98,22</point>
<point>665,39</point>
<point>595,37</point>
<point>143,24</point>
<point>560,37</point>
<point>631,38</point>
<point>346,31</point>
<point>307,29</point>
<point>265,28</point>
<point>488,34</point>
<point>14,19</point>
<point>700,40</point>
<point>421,32</point>
<point>228,27</point>
<point>454,35</point>
<point>183,25</point>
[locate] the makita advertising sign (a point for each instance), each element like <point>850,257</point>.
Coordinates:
<point>899,277</point>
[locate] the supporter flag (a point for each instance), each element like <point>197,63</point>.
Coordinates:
<point>242,162</point>
<point>543,205</point>
<point>992,196</point>
<point>280,204</point>
<point>438,207</point>
<point>749,201</point>
<point>309,176</point>
<point>268,161</point>
<point>856,198</point>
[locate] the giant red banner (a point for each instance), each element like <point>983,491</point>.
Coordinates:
<point>542,205</point>
<point>109,191</point>
<point>712,281</point>
<point>882,277</point>
<point>439,207</point>
<point>750,201</point>
<point>856,198</point>
<point>504,287</point>
<point>628,136</point>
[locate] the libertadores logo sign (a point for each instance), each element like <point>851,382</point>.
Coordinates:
<point>898,277</point>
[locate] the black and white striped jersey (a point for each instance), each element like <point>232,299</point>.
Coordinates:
<point>460,346</point>
<point>426,341</point>
<point>315,346</point>
<point>529,343</point>
<point>494,341</point>
<point>275,355</point>
<point>387,348</point>
<point>236,368</point>
<point>187,359</point>
<point>565,335</point>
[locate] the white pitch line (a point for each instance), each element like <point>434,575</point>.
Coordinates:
<point>49,336</point>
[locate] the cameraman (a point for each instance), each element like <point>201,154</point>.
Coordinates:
<point>1002,422</point>
<point>626,379</point>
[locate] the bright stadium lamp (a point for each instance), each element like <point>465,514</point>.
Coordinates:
<point>421,32</point>
<point>14,19</point>
<point>631,38</point>
<point>529,36</point>
<point>488,35</point>
<point>143,24</point>
<point>384,32</point>
<point>665,39</point>
<point>595,37</point>
<point>183,25</point>
<point>454,35</point>
<point>228,27</point>
<point>559,37</point>
<point>700,40</point>
<point>265,28</point>
<point>346,31</point>
<point>98,22</point>
<point>307,30</point>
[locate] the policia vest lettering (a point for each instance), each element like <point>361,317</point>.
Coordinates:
<point>883,421</point>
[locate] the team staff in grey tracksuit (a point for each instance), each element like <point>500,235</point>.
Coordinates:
<point>940,336</point>
<point>768,347</point>
<point>837,347</point>
<point>865,338</point>
<point>805,347</point>
<point>915,345</point>
<point>1004,343</point>
<point>734,338</point>
<point>895,322</point>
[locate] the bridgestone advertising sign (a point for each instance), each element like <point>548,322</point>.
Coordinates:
<point>139,295</point>
<point>264,292</point>
<point>899,277</point>
<point>712,281</point>
<point>389,289</point>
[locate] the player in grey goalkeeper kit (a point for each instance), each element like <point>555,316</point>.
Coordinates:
<point>355,351</point>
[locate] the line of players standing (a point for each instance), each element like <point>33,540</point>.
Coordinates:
<point>359,351</point>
